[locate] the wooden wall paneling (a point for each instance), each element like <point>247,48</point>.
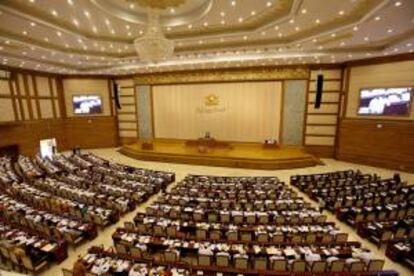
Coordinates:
<point>13,97</point>
<point>36,94</point>
<point>27,95</point>
<point>19,97</point>
<point>384,143</point>
<point>152,111</point>
<point>91,132</point>
<point>305,120</point>
<point>52,93</point>
<point>61,98</point>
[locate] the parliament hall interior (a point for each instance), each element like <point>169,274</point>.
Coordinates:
<point>207,137</point>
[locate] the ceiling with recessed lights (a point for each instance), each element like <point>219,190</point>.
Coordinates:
<point>97,36</point>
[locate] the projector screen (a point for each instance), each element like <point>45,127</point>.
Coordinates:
<point>87,104</point>
<point>385,101</point>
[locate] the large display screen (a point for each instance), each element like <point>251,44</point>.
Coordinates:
<point>87,104</point>
<point>385,101</point>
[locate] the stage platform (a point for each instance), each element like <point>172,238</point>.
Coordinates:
<point>240,155</point>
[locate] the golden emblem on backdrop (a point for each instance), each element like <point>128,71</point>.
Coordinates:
<point>211,100</point>
<point>159,4</point>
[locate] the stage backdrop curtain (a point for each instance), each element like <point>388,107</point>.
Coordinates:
<point>238,111</point>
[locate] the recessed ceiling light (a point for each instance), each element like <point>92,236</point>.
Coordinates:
<point>398,3</point>
<point>317,21</point>
<point>54,13</point>
<point>141,32</point>
<point>279,34</point>
<point>107,22</point>
<point>190,26</point>
<point>205,24</point>
<point>59,33</point>
<point>222,22</point>
<point>409,44</point>
<point>94,29</point>
<point>333,35</point>
<point>172,10</point>
<point>76,22</point>
<point>113,31</point>
<point>377,18</point>
<point>240,19</point>
<point>233,3</point>
<point>24,32</point>
<point>304,11</point>
<point>341,12</point>
<point>297,28</point>
<point>87,14</point>
<point>32,24</point>
<point>342,43</point>
<point>263,33</point>
<point>276,28</point>
<point>129,34</point>
<point>269,3</point>
<point>366,38</point>
<point>355,28</point>
<point>314,40</point>
<point>245,37</point>
<point>390,31</point>
<point>292,21</point>
<point>253,13</point>
<point>127,27</point>
<point>70,2</point>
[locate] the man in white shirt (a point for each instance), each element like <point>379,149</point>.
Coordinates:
<point>311,257</point>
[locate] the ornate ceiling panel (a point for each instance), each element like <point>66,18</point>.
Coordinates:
<point>87,37</point>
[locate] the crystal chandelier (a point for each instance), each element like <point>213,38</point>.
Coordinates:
<point>153,45</point>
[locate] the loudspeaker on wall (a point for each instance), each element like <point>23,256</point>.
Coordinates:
<point>319,91</point>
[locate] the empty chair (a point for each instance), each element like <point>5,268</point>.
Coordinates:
<point>170,256</point>
<point>225,217</point>
<point>246,236</point>
<point>120,248</point>
<point>279,265</point>
<point>400,233</point>
<point>327,238</point>
<point>238,219</point>
<point>375,265</point>
<point>337,266</point>
<point>129,225</point>
<point>212,217</point>
<point>385,237</point>
<point>232,235</point>
<point>260,263</point>
<point>341,237</point>
<point>298,266</point>
<point>263,218</point>
<point>318,266</point>
<point>201,234</point>
<point>136,252</point>
<point>356,267</point>
<point>262,237</point>
<point>171,231</point>
<point>159,230</point>
<point>278,238</point>
<point>222,259</point>
<point>215,235</point>
<point>251,219</point>
<point>241,261</point>
<point>204,260</point>
<point>310,237</point>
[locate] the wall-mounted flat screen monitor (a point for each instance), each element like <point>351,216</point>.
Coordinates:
<point>87,104</point>
<point>385,101</point>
